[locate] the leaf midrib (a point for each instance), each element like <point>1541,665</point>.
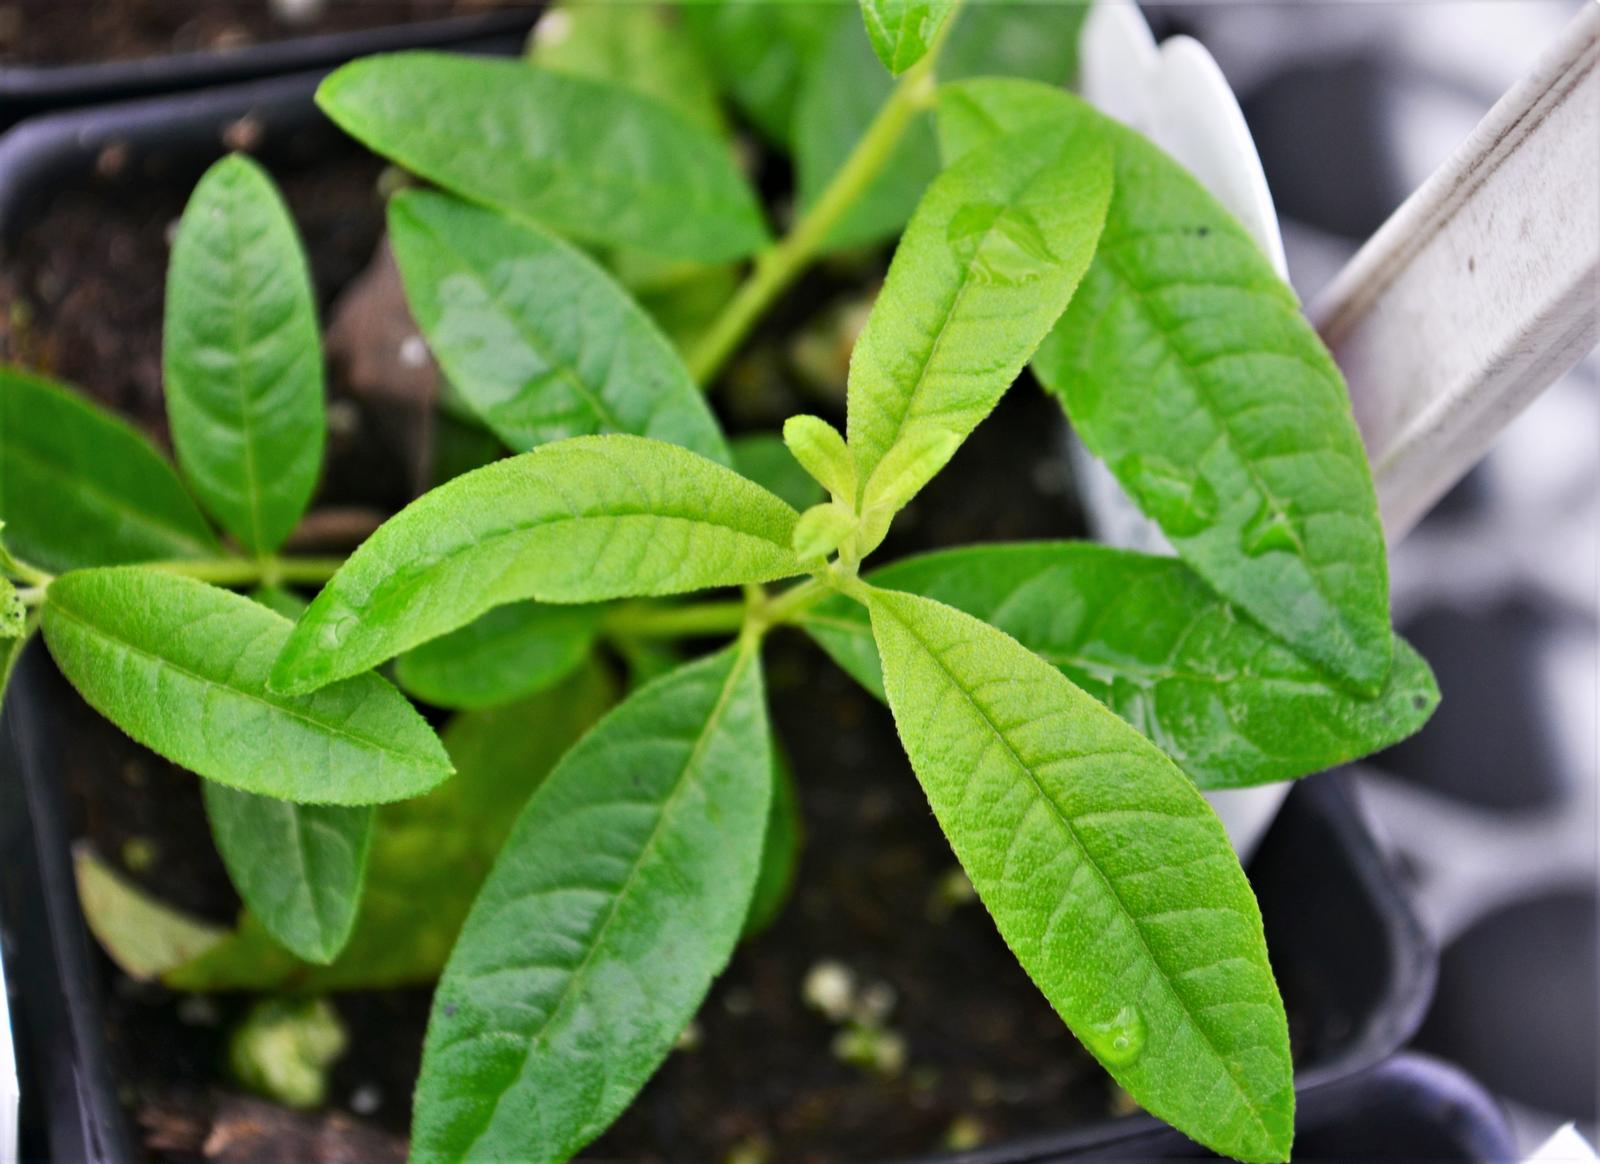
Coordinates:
<point>568,992</point>
<point>412,759</point>
<point>1110,887</point>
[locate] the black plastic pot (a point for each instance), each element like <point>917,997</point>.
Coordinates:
<point>1353,964</point>
<point>28,90</point>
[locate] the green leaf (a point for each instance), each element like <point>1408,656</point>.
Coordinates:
<point>78,487</point>
<point>840,93</point>
<point>989,261</point>
<point>298,867</point>
<point>505,654</point>
<point>758,50</point>
<point>182,668</point>
<point>1240,441</point>
<point>13,614</point>
<point>763,458</point>
<point>1015,38</point>
<point>780,850</point>
<point>817,445</point>
<point>142,936</point>
<point>280,601</point>
<point>591,160</point>
<point>537,338</point>
<point>903,30</point>
<point>580,520</point>
<point>429,855</point>
<point>1149,639</point>
<point>821,529</point>
<point>620,894</point>
<point>1107,874</point>
<point>242,356</point>
<point>642,46</point>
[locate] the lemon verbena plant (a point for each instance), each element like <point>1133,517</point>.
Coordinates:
<point>1063,705</point>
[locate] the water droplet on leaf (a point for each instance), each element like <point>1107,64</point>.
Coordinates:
<point>1000,244</point>
<point>1120,1039</point>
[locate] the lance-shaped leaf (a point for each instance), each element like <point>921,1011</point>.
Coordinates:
<point>593,161</point>
<point>989,261</point>
<point>758,50</point>
<point>619,895</point>
<point>78,487</point>
<point>902,31</point>
<point>510,652</point>
<point>580,520</point>
<point>1106,873</point>
<point>538,340</point>
<point>298,867</point>
<point>1239,439</point>
<point>242,356</point>
<point>1150,640</point>
<point>182,668</point>
<point>642,46</point>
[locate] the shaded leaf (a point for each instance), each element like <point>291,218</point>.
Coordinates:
<point>538,339</point>
<point>763,458</point>
<point>298,867</point>
<point>1145,636</point>
<point>142,936</point>
<point>507,653</point>
<point>588,159</point>
<point>182,668</point>
<point>580,520</point>
<point>1107,874</point>
<point>758,50</point>
<point>780,850</point>
<point>78,487</point>
<point>242,357</point>
<point>619,895</point>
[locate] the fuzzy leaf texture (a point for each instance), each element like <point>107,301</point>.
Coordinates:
<point>298,867</point>
<point>590,160</point>
<point>1106,872</point>
<point>79,487</point>
<point>508,653</point>
<point>182,668</point>
<point>1148,638</point>
<point>992,256</point>
<point>902,31</point>
<point>242,356</point>
<point>576,521</point>
<point>537,338</point>
<point>620,894</point>
<point>1239,441</point>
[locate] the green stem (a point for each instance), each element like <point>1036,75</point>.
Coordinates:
<point>778,267</point>
<point>248,571</point>
<point>651,621</point>
<point>787,605</point>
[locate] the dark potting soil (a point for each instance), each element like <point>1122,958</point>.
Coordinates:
<point>985,1058</point>
<point>62,32</point>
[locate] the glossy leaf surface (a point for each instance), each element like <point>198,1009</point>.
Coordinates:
<point>298,867</point>
<point>902,31</point>
<point>1106,872</point>
<point>590,160</point>
<point>242,356</point>
<point>1240,442</point>
<point>505,654</point>
<point>1146,637</point>
<point>536,337</point>
<point>182,668</point>
<point>619,895</point>
<point>990,259</point>
<point>576,521</point>
<point>78,487</point>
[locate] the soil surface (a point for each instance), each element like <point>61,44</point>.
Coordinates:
<point>63,32</point>
<point>984,1057</point>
